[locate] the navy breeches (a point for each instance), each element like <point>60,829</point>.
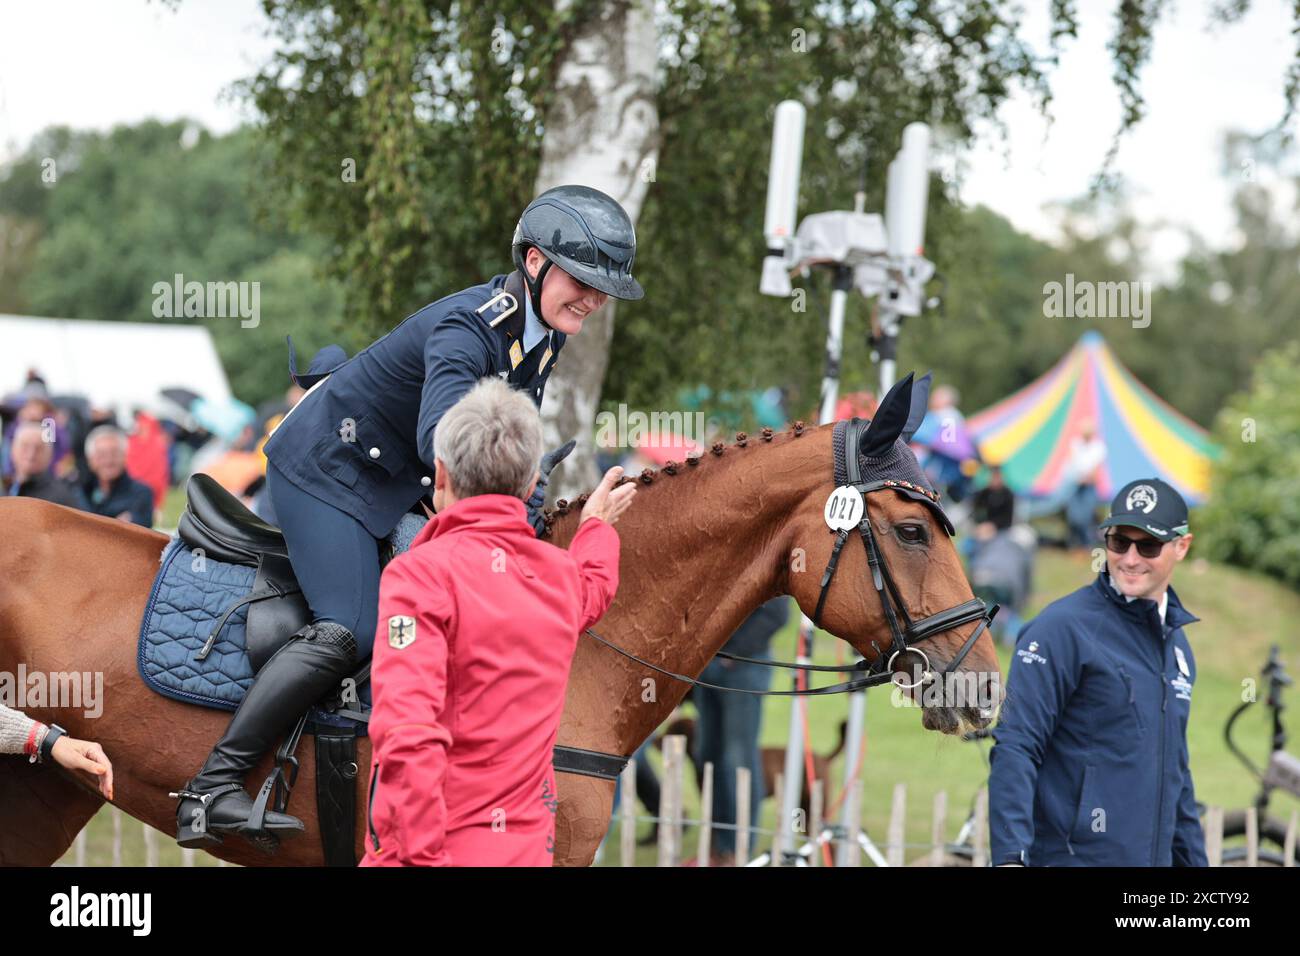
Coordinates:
<point>334,558</point>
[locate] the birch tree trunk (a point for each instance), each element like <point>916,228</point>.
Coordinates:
<point>602,131</point>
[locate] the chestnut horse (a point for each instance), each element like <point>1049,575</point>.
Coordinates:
<point>704,545</point>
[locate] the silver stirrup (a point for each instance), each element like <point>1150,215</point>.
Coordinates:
<point>926,674</point>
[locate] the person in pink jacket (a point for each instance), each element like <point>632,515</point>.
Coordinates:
<point>481,619</point>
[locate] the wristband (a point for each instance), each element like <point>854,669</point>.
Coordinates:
<point>47,745</point>
<point>32,745</point>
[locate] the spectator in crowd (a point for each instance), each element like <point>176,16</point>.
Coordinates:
<point>147,455</point>
<point>30,456</point>
<point>1087,455</point>
<point>995,503</point>
<point>945,470</point>
<point>33,405</point>
<point>1002,573</point>
<point>108,489</point>
<point>41,410</point>
<point>1076,492</point>
<point>993,509</point>
<point>729,723</point>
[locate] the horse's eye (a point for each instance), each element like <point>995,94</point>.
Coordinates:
<point>911,534</point>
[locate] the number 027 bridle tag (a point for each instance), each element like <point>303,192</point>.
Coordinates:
<point>844,508</point>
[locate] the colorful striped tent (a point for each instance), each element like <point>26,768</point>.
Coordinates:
<point>1029,433</point>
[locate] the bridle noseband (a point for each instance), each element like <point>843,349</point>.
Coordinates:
<point>903,638</point>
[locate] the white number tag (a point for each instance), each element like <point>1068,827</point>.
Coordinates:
<point>844,508</point>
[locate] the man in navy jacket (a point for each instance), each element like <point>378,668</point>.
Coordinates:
<point>358,451</point>
<point>1090,765</point>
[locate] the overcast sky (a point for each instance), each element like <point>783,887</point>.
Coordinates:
<point>87,63</point>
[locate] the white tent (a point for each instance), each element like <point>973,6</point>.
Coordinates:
<point>118,364</point>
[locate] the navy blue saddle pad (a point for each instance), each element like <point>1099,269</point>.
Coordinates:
<point>189,596</point>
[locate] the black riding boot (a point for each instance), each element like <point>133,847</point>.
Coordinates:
<point>214,803</point>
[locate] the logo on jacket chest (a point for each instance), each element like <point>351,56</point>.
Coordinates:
<point>1180,682</point>
<point>1030,655</point>
<point>1182,687</point>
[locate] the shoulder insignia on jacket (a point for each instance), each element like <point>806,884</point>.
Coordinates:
<point>503,304</point>
<point>401,632</point>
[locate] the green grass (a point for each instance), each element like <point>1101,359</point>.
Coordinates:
<point>99,844</point>
<point>172,509</point>
<point>1241,613</point>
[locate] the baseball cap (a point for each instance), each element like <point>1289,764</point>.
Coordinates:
<point>1150,505</point>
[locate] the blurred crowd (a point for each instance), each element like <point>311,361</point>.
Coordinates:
<point>997,539</point>
<point>99,456</point>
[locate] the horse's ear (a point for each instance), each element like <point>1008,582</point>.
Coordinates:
<point>920,405</point>
<point>892,415</point>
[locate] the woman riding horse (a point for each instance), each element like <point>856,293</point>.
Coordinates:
<point>358,452</point>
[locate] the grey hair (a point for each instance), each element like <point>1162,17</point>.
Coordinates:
<point>99,431</point>
<point>490,441</point>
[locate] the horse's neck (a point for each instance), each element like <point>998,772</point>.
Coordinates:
<point>700,550</point>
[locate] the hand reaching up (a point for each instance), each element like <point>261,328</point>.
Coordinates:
<point>608,502</point>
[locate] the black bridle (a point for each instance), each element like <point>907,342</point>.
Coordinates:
<point>902,639</point>
<point>880,671</point>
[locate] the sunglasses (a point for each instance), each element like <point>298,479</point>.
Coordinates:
<point>1148,548</point>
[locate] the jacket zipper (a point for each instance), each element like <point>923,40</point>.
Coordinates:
<point>370,809</point>
<point>1069,834</point>
<point>1160,788</point>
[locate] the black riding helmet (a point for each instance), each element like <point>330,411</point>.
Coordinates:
<point>584,232</point>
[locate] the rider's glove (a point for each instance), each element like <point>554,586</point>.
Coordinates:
<point>538,498</point>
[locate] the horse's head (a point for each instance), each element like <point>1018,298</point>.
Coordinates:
<point>918,579</point>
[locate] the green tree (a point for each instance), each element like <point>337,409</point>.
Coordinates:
<point>141,204</point>
<point>1252,518</point>
<point>1229,307</point>
<point>294,302</point>
<point>438,109</point>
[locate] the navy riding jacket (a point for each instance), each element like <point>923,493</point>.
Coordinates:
<point>362,439</point>
<point>1090,763</point>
